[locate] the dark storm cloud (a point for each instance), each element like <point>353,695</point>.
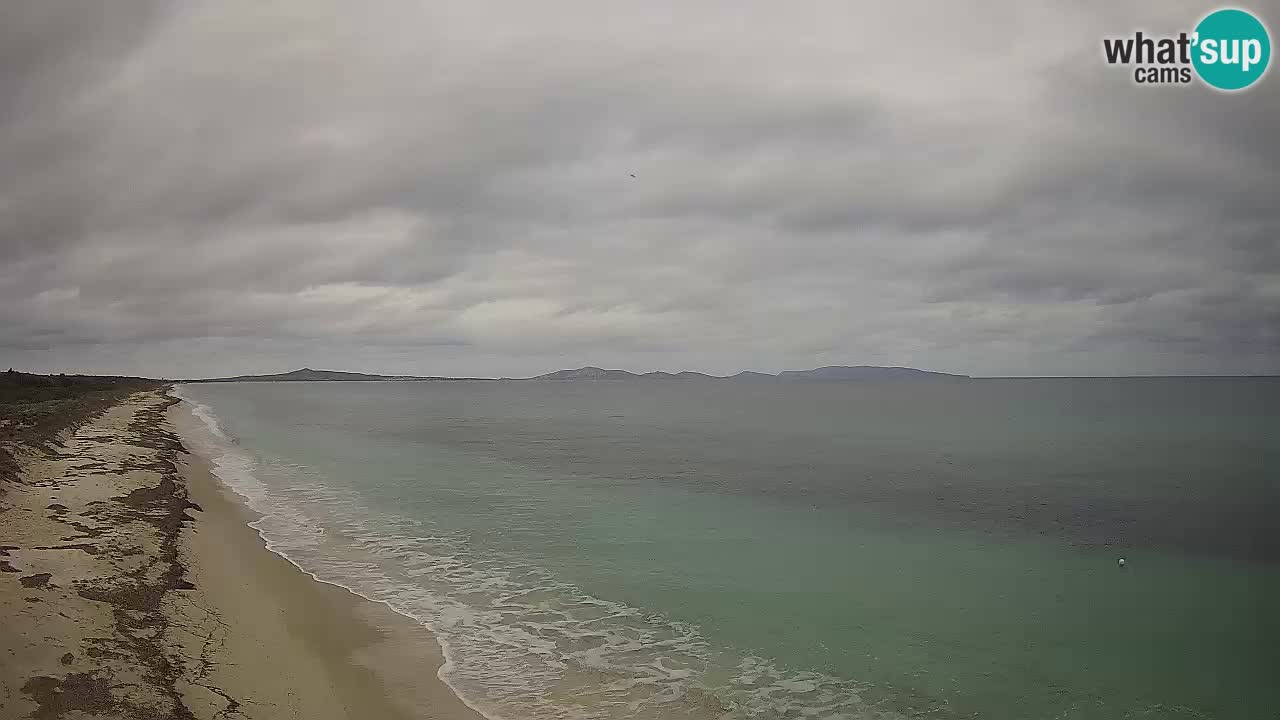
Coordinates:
<point>229,186</point>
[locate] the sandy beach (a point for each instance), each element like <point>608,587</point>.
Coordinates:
<point>134,588</point>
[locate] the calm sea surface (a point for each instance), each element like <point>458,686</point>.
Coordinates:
<point>793,550</point>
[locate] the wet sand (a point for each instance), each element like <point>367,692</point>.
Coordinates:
<point>132,587</point>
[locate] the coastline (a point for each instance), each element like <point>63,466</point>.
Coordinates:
<point>136,588</point>
<point>359,658</point>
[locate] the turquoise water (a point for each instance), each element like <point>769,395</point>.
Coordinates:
<point>692,549</point>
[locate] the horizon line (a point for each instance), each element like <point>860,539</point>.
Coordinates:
<point>403,377</point>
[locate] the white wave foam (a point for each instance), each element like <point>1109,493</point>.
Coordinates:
<point>516,643</point>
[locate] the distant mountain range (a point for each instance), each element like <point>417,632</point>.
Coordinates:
<point>595,374</point>
<point>864,372</point>
<point>591,373</point>
<point>829,373</point>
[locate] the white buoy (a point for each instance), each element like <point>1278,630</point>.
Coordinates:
<point>1121,562</point>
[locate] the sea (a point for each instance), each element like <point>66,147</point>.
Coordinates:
<point>733,549</point>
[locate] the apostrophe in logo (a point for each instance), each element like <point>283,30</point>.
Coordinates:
<point>1229,50</point>
<point>1232,49</point>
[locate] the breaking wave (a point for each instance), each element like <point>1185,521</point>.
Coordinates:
<point>517,643</point>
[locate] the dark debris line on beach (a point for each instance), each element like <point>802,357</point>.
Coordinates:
<point>137,596</point>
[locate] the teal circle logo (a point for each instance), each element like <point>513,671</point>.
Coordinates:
<point>1232,49</point>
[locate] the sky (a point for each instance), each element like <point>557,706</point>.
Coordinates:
<point>480,188</point>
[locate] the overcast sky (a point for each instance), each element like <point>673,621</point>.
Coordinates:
<point>206,188</point>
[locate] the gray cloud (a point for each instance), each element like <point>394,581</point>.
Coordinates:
<point>233,186</point>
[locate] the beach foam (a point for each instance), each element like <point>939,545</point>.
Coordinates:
<point>517,643</point>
